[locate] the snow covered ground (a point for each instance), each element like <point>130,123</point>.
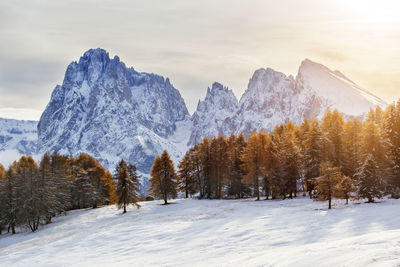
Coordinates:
<point>296,232</point>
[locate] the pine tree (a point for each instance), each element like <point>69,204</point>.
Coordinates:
<point>345,187</point>
<point>163,178</point>
<point>9,217</point>
<point>186,176</point>
<point>218,165</point>
<point>288,157</point>
<point>312,154</point>
<point>373,150</point>
<point>84,193</point>
<point>205,162</point>
<point>370,181</point>
<point>127,185</point>
<point>29,193</point>
<point>254,160</point>
<point>391,128</point>
<point>301,134</point>
<point>352,144</point>
<point>61,172</point>
<point>48,187</point>
<point>93,185</point>
<point>197,172</point>
<point>327,184</point>
<point>236,146</point>
<point>332,130</point>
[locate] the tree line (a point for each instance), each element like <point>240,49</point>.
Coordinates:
<point>32,194</point>
<point>330,158</point>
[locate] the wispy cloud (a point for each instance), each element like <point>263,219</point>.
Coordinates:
<point>330,55</point>
<point>20,113</point>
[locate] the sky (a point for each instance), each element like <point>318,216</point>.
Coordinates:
<point>195,43</point>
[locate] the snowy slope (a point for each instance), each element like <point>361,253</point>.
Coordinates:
<point>296,232</point>
<point>337,91</point>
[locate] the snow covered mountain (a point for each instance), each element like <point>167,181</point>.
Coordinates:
<point>215,114</point>
<point>16,137</point>
<point>273,98</point>
<point>270,99</point>
<point>334,90</point>
<point>111,112</point>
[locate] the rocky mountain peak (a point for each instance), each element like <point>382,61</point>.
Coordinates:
<point>113,112</point>
<point>215,114</point>
<point>104,107</point>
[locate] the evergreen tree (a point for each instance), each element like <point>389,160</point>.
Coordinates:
<point>345,187</point>
<point>29,193</point>
<point>127,188</point>
<point>373,149</point>
<point>255,160</point>
<point>332,142</point>
<point>197,172</point>
<point>218,165</point>
<point>83,192</point>
<point>61,172</point>
<point>205,162</point>
<point>235,174</point>
<point>288,157</point>
<point>391,128</point>
<point>186,176</point>
<point>93,185</point>
<point>163,178</point>
<point>301,134</point>
<point>312,154</point>
<point>370,181</point>
<point>49,200</point>
<point>9,215</point>
<point>352,144</point>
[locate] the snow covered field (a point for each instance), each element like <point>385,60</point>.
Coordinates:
<point>296,232</point>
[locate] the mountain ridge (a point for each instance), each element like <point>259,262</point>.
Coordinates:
<point>111,111</point>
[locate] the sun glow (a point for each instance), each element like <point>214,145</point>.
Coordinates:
<point>373,10</point>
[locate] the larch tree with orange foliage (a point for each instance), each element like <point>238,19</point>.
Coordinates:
<point>163,178</point>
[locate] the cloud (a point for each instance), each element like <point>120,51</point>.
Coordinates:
<point>28,82</point>
<point>193,43</point>
<point>330,55</point>
<point>20,113</point>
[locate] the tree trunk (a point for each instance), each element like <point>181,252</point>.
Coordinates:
<point>165,201</point>
<point>13,229</point>
<point>186,194</point>
<point>258,193</point>
<point>258,190</point>
<point>330,199</point>
<point>347,201</point>
<point>124,208</point>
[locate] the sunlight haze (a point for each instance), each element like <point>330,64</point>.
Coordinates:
<point>195,43</point>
